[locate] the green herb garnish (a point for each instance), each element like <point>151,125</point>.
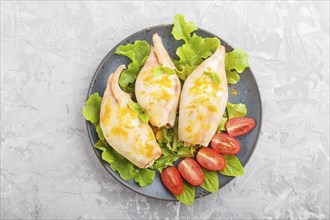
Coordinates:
<point>214,76</point>
<point>139,110</point>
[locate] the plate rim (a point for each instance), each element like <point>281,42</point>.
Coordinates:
<point>98,154</point>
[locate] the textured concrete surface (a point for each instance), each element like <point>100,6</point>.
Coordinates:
<point>49,52</point>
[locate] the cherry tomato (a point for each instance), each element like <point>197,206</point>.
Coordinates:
<point>191,171</point>
<point>225,144</point>
<point>210,159</point>
<point>172,180</point>
<point>239,126</point>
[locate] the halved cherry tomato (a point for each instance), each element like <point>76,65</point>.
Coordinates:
<point>210,159</point>
<point>172,180</point>
<point>191,171</point>
<point>225,144</point>
<point>239,126</point>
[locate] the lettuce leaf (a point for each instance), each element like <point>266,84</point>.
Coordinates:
<point>143,116</point>
<point>166,137</point>
<point>187,151</point>
<point>211,180</point>
<point>157,71</point>
<point>145,177</point>
<point>222,124</point>
<point>170,156</point>
<point>138,54</point>
<point>182,29</point>
<point>172,149</point>
<point>232,77</point>
<point>91,110</point>
<point>235,62</point>
<point>187,197</point>
<point>233,166</point>
<point>195,49</point>
<point>236,110</point>
<point>214,76</point>
<point>117,162</point>
<point>166,160</point>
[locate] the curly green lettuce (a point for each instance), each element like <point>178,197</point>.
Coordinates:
<point>235,62</point>
<point>91,112</point>
<point>236,110</point>
<point>172,149</point>
<point>195,48</point>
<point>138,54</point>
<point>145,177</point>
<point>222,124</point>
<point>232,111</point>
<point>117,162</point>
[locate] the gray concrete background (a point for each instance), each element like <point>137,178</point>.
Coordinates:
<point>49,52</point>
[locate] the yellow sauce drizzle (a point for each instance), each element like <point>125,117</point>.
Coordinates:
<point>188,129</point>
<point>146,150</point>
<point>164,81</point>
<point>106,115</point>
<point>161,95</point>
<point>234,92</point>
<point>211,108</point>
<point>117,131</point>
<point>126,111</point>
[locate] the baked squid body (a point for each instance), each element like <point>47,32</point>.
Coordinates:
<point>156,91</point>
<point>157,94</point>
<point>203,100</point>
<point>123,130</point>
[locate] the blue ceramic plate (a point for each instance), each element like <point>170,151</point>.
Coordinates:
<point>248,94</point>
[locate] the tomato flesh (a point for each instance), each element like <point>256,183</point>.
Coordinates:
<point>191,171</point>
<point>172,180</point>
<point>225,144</point>
<point>210,159</point>
<point>239,126</point>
